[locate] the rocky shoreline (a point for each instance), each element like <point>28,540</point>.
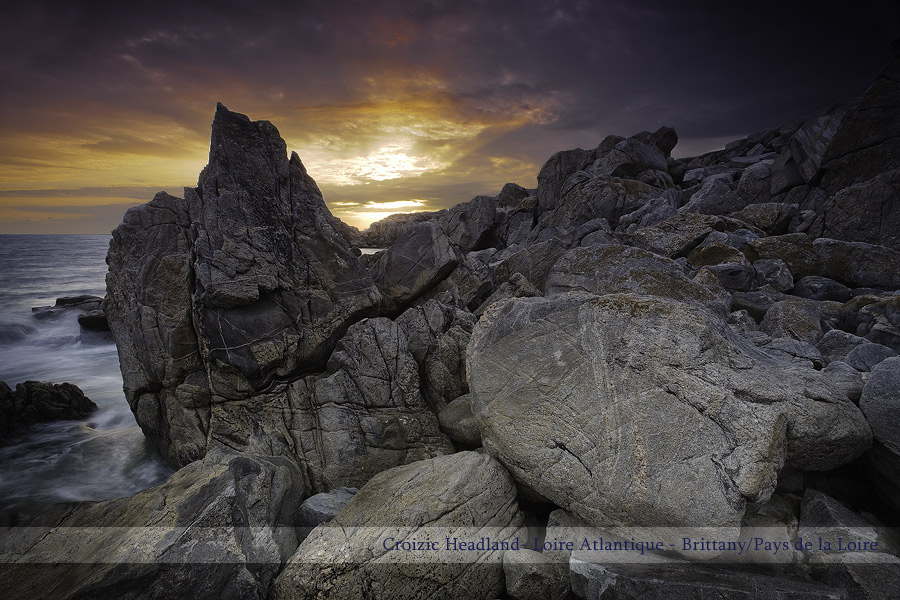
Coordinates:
<point>643,349</point>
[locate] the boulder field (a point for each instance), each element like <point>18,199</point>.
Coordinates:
<point>690,354</point>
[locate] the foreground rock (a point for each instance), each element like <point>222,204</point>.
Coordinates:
<point>466,494</point>
<point>214,297</point>
<point>40,402</point>
<point>637,410</point>
<point>225,523</point>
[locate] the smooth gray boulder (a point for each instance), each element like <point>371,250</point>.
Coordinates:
<point>465,495</point>
<point>470,225</point>
<point>323,507</point>
<point>846,378</point>
<point>836,344</point>
<point>865,357</point>
<point>214,297</point>
<point>458,422</point>
<point>224,523</point>
<point>418,261</point>
<point>647,411</point>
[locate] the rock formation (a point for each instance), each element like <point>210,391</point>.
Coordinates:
<point>640,341</point>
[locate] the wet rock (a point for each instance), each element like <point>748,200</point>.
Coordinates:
<point>11,331</point>
<point>94,320</point>
<point>347,558</point>
<point>40,402</point>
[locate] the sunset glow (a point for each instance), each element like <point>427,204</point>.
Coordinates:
<point>432,102</point>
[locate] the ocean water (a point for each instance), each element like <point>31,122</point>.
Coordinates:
<point>105,456</point>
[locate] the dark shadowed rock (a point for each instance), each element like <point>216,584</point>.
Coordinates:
<point>880,403</point>
<point>775,273</point>
<point>821,288</point>
<point>800,319</point>
<point>458,422</point>
<point>470,225</point>
<point>680,234</point>
<point>531,576</point>
<point>517,287</point>
<point>323,507</point>
<point>214,297</point>
<point>772,217</point>
<point>94,320</point>
<point>688,582</point>
<point>533,262</point>
<point>40,402</point>
<point>850,213</point>
<point>225,523</point>
<point>347,558</point>
<point>417,261</point>
<point>364,415</point>
<point>438,335</point>
<point>858,264</point>
<point>795,249</point>
<point>553,175</point>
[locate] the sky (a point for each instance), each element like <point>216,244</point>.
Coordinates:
<point>394,106</point>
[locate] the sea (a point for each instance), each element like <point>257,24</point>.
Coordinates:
<point>103,457</point>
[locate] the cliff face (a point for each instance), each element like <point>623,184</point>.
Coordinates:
<point>640,342</point>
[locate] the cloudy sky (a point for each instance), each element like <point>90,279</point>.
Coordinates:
<point>394,106</point>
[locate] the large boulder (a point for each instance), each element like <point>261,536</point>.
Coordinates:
<point>213,297</point>
<point>375,547</point>
<point>858,264</point>
<point>470,225</point>
<point>647,411</point>
<point>226,523</point>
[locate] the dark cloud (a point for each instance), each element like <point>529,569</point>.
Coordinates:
<point>488,82</point>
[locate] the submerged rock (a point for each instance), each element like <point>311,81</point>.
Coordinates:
<point>40,402</point>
